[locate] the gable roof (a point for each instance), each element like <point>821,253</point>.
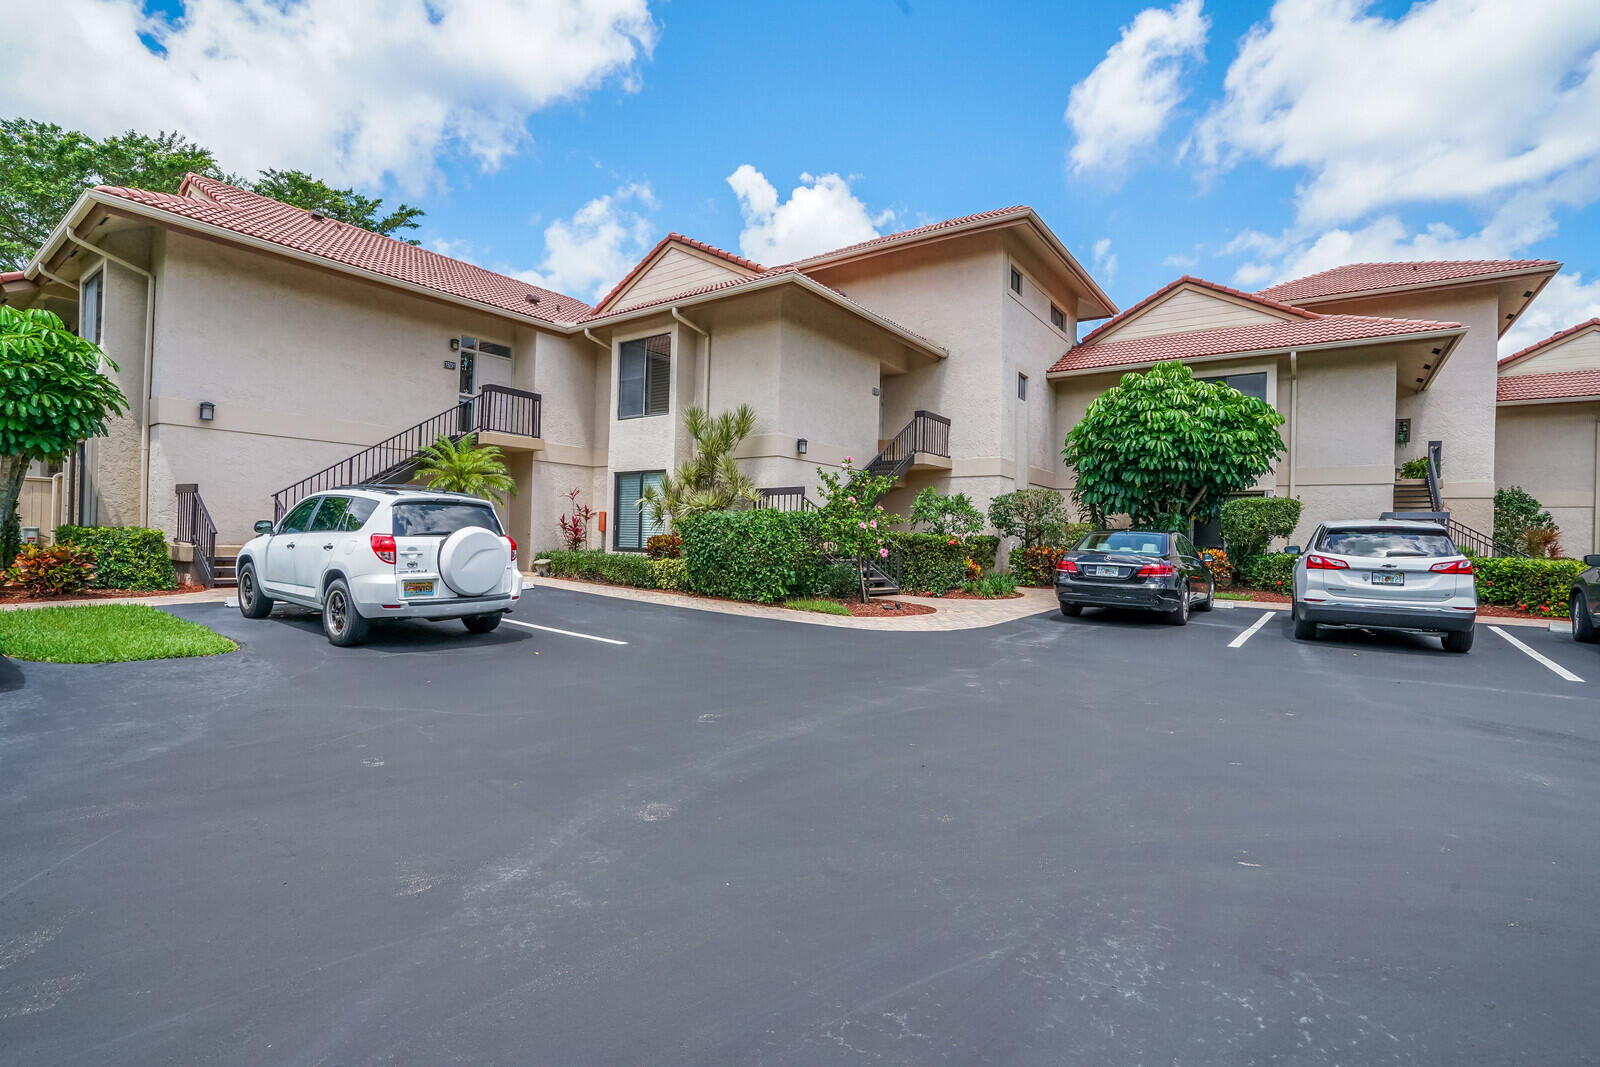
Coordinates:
<point>1310,331</point>
<point>1190,281</point>
<point>748,265</point>
<point>1554,339</point>
<point>1555,386</point>
<point>209,203</point>
<point>917,233</point>
<point>1355,279</point>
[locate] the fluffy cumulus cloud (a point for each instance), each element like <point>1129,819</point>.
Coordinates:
<point>352,90</point>
<point>1457,100</point>
<point>821,214</point>
<point>587,254</point>
<point>1127,101</point>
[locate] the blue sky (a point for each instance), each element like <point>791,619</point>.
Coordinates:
<point>1343,131</point>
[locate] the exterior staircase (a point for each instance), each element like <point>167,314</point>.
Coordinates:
<point>1424,497</point>
<point>1411,494</point>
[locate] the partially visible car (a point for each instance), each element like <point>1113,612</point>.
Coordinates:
<point>1149,570</point>
<point>1389,574</point>
<point>364,553</point>
<point>1584,602</point>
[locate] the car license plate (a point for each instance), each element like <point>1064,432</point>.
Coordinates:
<point>1388,578</point>
<point>1107,572</point>
<point>419,588</point>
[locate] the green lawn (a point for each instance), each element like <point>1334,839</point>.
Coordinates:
<point>826,607</point>
<point>1233,596</point>
<point>104,633</point>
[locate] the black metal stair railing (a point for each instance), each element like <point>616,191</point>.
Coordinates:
<point>1470,541</point>
<point>196,528</point>
<point>926,432</point>
<point>496,409</point>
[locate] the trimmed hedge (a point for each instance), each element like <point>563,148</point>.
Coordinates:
<point>618,568</point>
<point>930,563</point>
<point>1272,573</point>
<point>670,573</point>
<point>1249,523</point>
<point>982,548</point>
<point>1540,586</point>
<point>126,557</point>
<point>761,555</point>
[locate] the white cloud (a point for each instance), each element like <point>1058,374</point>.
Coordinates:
<point>821,214</point>
<point>1126,101</point>
<point>351,90</point>
<point>1105,261</point>
<point>1565,302</point>
<point>587,254</point>
<point>1458,100</point>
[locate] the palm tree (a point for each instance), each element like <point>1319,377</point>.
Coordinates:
<point>711,479</point>
<point>465,466</point>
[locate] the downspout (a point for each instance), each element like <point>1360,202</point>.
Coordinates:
<point>1294,417</point>
<point>705,364</point>
<point>149,359</point>
<point>1594,522</point>
<point>595,339</point>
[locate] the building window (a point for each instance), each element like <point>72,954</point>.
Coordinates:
<point>644,379</point>
<point>487,348</point>
<point>1016,281</point>
<point>633,527</point>
<point>1022,387</point>
<point>1058,318</point>
<point>1249,384</point>
<point>91,308</point>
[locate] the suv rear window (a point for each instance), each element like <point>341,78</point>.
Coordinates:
<point>441,518</point>
<point>1125,542</point>
<point>1383,544</point>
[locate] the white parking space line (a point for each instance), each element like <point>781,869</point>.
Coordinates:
<point>1258,624</point>
<point>1548,662</point>
<point>564,633</point>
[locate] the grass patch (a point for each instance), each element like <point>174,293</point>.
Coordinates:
<point>104,633</point>
<point>1233,596</point>
<point>991,586</point>
<point>826,607</point>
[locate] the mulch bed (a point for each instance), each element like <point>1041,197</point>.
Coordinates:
<point>10,595</point>
<point>1493,611</point>
<point>886,607</point>
<point>956,594</point>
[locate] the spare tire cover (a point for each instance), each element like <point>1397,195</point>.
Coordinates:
<point>473,560</point>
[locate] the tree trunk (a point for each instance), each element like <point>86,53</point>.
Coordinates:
<point>13,469</point>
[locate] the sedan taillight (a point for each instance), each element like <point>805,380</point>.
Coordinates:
<point>1325,563</point>
<point>1454,566</point>
<point>1067,565</point>
<point>383,547</point>
<point>1155,570</point>
<point>512,541</point>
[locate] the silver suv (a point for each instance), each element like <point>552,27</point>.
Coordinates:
<point>364,553</point>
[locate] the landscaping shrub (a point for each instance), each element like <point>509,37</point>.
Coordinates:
<point>618,568</point>
<point>126,557</point>
<point>761,555</point>
<point>930,563</point>
<point>1414,468</point>
<point>52,571</point>
<point>1036,516</point>
<point>981,549</point>
<point>664,546</point>
<point>946,516</point>
<point>1271,573</point>
<point>1037,565</point>
<point>1516,513</point>
<point>1540,586</point>
<point>1221,568</point>
<point>995,585</point>
<point>1250,522</point>
<point>836,580</point>
<point>1072,533</point>
<point>669,573</point>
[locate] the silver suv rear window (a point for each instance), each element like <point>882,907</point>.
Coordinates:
<point>1385,543</point>
<point>441,518</point>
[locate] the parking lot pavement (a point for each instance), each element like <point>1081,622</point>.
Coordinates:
<point>1095,840</point>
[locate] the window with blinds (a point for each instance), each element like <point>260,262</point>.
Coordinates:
<point>644,379</point>
<point>633,526</point>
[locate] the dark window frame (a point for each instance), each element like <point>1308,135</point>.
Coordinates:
<point>98,279</point>
<point>1016,281</point>
<point>1022,387</point>
<point>1058,318</point>
<point>616,502</point>
<point>654,378</point>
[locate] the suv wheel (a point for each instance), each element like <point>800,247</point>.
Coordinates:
<point>481,624</point>
<point>340,620</point>
<point>253,603</point>
<point>1458,641</point>
<point>1304,629</point>
<point>1583,628</point>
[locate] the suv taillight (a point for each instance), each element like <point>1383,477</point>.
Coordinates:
<point>1323,563</point>
<point>1454,566</point>
<point>1067,565</point>
<point>1155,570</point>
<point>512,541</point>
<point>383,547</point>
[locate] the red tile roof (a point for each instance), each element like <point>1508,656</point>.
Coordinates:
<point>1555,338</point>
<point>1356,278</point>
<point>206,200</point>
<point>676,238</point>
<point>1557,385</point>
<point>1305,332</point>
<point>1189,279</point>
<point>982,216</point>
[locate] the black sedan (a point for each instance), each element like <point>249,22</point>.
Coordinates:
<point>1142,569</point>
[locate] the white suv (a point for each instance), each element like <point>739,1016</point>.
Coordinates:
<point>374,552</point>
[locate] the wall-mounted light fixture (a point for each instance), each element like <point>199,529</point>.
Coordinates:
<point>874,390</point>
<point>455,344</point>
<point>208,411</point>
<point>800,446</point>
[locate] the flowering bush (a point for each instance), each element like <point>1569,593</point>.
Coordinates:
<point>974,569</point>
<point>575,524</point>
<point>1036,565</point>
<point>1538,586</point>
<point>1221,569</point>
<point>664,546</point>
<point>851,522</point>
<point>51,571</point>
<point>1272,573</point>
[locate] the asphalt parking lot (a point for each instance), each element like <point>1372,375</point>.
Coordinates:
<point>706,839</point>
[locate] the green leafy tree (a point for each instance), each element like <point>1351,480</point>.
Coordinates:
<point>850,522</point>
<point>948,516</point>
<point>302,190</point>
<point>1516,512</point>
<point>464,466</point>
<point>44,168</point>
<point>1035,516</point>
<point>710,480</point>
<point>52,395</point>
<point>1164,448</point>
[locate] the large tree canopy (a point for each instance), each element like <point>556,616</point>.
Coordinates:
<point>44,168</point>
<point>1164,448</point>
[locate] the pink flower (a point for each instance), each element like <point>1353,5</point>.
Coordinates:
<point>873,524</point>
<point>879,507</point>
<point>952,540</point>
<point>851,499</point>
<point>847,460</point>
<point>883,553</point>
<point>863,525</point>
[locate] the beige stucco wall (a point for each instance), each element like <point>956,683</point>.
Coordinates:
<point>1344,464</point>
<point>1550,451</point>
<point>113,482</point>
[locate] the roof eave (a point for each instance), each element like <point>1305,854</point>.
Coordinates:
<point>1448,283</point>
<point>1588,398</point>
